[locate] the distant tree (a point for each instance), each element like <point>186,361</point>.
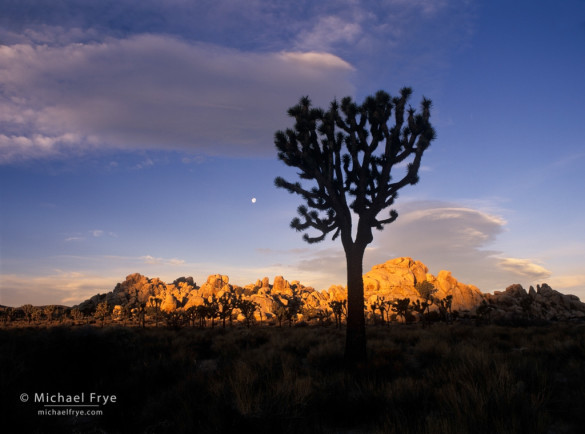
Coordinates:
<point>339,308</point>
<point>379,305</point>
<point>28,310</point>
<point>174,319</point>
<point>226,305</point>
<point>347,154</point>
<point>49,311</point>
<point>201,314</point>
<point>191,315</point>
<point>102,311</point>
<point>77,314</point>
<point>139,311</point>
<point>484,311</point>
<point>288,306</point>
<point>445,311</point>
<point>279,311</point>
<point>155,303</point>
<point>402,308</point>
<point>247,307</point>
<point>212,308</point>
<point>427,292</point>
<point>37,315</point>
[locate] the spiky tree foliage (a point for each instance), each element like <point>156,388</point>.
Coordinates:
<point>28,310</point>
<point>77,314</point>
<point>211,308</point>
<point>339,308</point>
<point>380,305</point>
<point>226,304</point>
<point>402,308</point>
<point>155,303</point>
<point>247,307</point>
<point>102,311</point>
<point>427,292</point>
<point>288,306</point>
<point>49,311</point>
<point>445,308</point>
<point>348,154</point>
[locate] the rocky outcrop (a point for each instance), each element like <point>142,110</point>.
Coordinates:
<point>542,303</point>
<point>394,279</point>
<point>397,278</point>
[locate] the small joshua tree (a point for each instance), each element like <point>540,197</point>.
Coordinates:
<point>247,307</point>
<point>49,311</point>
<point>102,311</point>
<point>380,305</point>
<point>402,308</point>
<point>211,308</point>
<point>28,310</point>
<point>347,155</point>
<point>339,309</point>
<point>155,303</point>
<point>226,305</point>
<point>77,315</point>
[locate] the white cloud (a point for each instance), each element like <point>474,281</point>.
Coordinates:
<point>150,91</point>
<point>151,260</point>
<point>524,268</point>
<point>447,236</point>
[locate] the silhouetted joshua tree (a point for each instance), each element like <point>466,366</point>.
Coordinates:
<point>427,291</point>
<point>226,305</point>
<point>155,303</point>
<point>347,154</point>
<point>247,307</point>
<point>339,309</point>
<point>402,308</point>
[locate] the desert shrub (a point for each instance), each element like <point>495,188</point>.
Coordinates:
<point>442,379</point>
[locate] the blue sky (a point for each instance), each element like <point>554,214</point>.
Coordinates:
<point>134,134</point>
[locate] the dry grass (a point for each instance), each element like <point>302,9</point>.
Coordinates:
<point>447,379</point>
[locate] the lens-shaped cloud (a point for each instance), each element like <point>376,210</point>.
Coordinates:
<point>155,92</point>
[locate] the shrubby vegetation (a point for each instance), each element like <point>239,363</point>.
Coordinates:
<point>446,378</point>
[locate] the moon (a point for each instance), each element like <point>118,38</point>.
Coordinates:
<point>253,200</point>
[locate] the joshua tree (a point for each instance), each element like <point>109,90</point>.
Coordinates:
<point>49,311</point>
<point>226,304</point>
<point>155,303</point>
<point>402,308</point>
<point>247,307</point>
<point>290,309</point>
<point>77,315</point>
<point>102,311</point>
<point>28,310</point>
<point>339,309</point>
<point>347,154</point>
<point>211,308</point>
<point>279,311</point>
<point>445,308</point>
<point>37,315</point>
<point>380,305</point>
<point>427,291</point>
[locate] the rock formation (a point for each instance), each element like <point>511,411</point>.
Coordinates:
<point>397,278</point>
<point>542,303</point>
<point>394,279</point>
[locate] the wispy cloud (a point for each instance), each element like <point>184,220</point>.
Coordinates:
<point>151,260</point>
<point>150,91</point>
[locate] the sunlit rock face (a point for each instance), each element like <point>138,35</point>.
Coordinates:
<point>397,278</point>
<point>391,280</point>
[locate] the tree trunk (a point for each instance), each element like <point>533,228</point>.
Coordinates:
<point>355,344</point>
